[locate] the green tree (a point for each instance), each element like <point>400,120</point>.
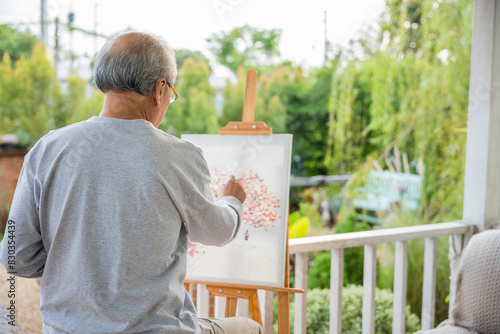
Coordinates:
<point>234,95</point>
<point>302,102</point>
<point>74,94</point>
<point>246,46</point>
<point>349,136</point>
<point>80,102</point>
<point>88,107</point>
<point>29,93</point>
<point>183,54</point>
<point>16,43</point>
<point>411,93</point>
<point>273,113</point>
<point>194,111</point>
<point>309,124</point>
<point>31,100</point>
<point>289,102</point>
<point>268,108</point>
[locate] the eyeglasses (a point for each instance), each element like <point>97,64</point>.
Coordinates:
<point>174,95</point>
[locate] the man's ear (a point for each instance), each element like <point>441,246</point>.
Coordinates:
<point>158,91</point>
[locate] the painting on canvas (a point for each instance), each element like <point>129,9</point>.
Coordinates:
<point>262,166</point>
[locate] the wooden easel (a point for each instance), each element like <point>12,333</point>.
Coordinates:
<point>234,291</point>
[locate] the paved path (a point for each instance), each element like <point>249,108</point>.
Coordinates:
<point>4,322</point>
<point>28,319</point>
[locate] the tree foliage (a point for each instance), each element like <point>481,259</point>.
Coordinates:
<point>309,123</point>
<point>245,46</point>
<point>194,111</point>
<point>32,100</point>
<point>30,94</point>
<point>288,101</point>
<point>412,93</point>
<point>234,95</point>
<point>407,87</point>
<point>80,101</point>
<point>182,54</point>
<point>16,43</point>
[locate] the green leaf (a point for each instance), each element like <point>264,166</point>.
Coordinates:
<point>299,228</point>
<point>293,217</point>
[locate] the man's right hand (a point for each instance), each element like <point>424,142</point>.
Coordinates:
<point>233,188</point>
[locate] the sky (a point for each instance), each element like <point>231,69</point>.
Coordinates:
<point>186,24</point>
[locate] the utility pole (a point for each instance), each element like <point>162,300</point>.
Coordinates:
<point>43,21</point>
<point>325,56</point>
<point>71,18</point>
<point>56,44</point>
<point>95,27</point>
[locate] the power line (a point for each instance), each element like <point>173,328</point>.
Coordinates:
<point>69,27</point>
<point>65,25</point>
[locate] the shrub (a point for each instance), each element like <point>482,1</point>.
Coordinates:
<point>308,210</point>
<point>353,257</point>
<point>298,225</point>
<point>319,273</point>
<point>416,248</point>
<point>318,311</point>
<point>19,139</point>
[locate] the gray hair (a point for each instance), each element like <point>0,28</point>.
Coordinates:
<point>134,61</point>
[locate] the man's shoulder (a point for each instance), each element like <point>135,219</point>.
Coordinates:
<point>68,130</point>
<point>53,141</point>
<point>180,145</point>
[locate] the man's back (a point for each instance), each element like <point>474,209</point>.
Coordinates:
<point>114,201</point>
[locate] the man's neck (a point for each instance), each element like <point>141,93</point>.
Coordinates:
<point>124,105</point>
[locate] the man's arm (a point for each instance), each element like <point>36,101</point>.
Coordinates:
<point>207,222</point>
<point>21,251</point>
<point>233,195</point>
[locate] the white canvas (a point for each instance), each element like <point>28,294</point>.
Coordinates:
<point>262,166</point>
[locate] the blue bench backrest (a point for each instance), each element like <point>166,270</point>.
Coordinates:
<point>384,188</point>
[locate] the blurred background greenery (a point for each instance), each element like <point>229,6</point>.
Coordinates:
<point>403,85</point>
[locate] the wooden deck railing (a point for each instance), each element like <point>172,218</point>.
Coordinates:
<point>369,240</point>
<point>337,243</point>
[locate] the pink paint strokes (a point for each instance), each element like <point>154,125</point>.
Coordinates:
<point>260,209</point>
<point>195,249</point>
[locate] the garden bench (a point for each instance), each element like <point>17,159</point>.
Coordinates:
<point>383,190</point>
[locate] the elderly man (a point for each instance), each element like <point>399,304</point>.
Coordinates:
<point>103,208</point>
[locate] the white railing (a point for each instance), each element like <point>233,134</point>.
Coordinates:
<point>369,240</point>
<point>337,243</point>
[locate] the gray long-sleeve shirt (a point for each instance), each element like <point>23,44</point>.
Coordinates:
<point>102,212</point>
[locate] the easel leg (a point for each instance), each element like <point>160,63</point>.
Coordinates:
<point>283,313</point>
<point>253,303</point>
<point>231,307</point>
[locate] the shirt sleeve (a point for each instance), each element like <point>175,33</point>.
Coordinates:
<point>206,222</point>
<point>237,206</point>
<point>21,251</point>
